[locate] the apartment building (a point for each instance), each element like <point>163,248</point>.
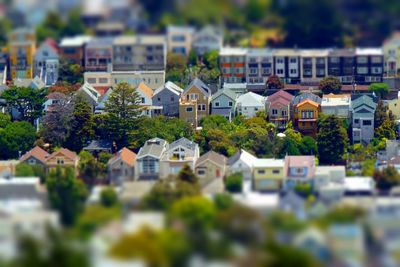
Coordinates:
<point>233,64</point>
<point>98,54</point>
<point>369,65</point>
<point>139,53</point>
<point>362,111</point>
<point>287,65</point>
<point>22,46</point>
<point>72,49</point>
<point>341,64</point>
<point>259,65</point>
<point>179,39</point>
<point>313,65</point>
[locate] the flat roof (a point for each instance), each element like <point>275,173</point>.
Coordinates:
<point>373,51</point>
<point>139,39</point>
<point>75,41</point>
<point>260,163</point>
<point>314,52</point>
<point>233,51</point>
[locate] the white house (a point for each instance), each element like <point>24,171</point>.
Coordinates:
<point>242,161</point>
<point>249,104</point>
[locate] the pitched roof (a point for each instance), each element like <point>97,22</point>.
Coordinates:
<point>229,93</point>
<point>307,101</point>
<point>145,89</point>
<point>171,87</point>
<point>66,152</point>
<point>88,89</point>
<point>306,95</point>
<point>126,155</point>
<point>200,85</point>
<point>37,153</point>
<point>99,144</point>
<point>212,156</point>
<point>52,43</point>
<point>281,94</point>
<point>183,142</point>
<point>242,154</point>
<point>251,99</point>
<point>363,100</point>
<point>153,147</point>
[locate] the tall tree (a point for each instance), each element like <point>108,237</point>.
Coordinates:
<point>386,130</point>
<point>16,138</point>
<point>382,113</point>
<point>380,89</point>
<point>50,27</point>
<point>25,100</point>
<point>330,84</point>
<point>332,140</point>
<point>122,110</point>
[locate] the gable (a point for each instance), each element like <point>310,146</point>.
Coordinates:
<point>194,90</point>
<point>223,98</point>
<point>363,110</point>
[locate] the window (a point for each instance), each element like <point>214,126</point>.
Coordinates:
<point>230,103</point>
<point>307,61</point>
<point>279,60</point>
<point>376,59</point>
<point>279,71</point>
<point>320,60</point>
<point>158,98</point>
<point>216,104</point>
<point>307,114</point>
<point>253,70</point>
<point>362,70</point>
<point>201,107</point>
<point>148,166</point>
<point>143,100</point>
<point>266,71</point>
<point>362,60</point>
<point>356,120</point>
<point>172,99</point>
<point>367,123</point>
<point>293,71</point>
<point>194,97</point>
<point>201,172</point>
<point>60,161</point>
<point>334,59</point>
<point>261,171</point>
<point>103,80</point>
<point>178,38</point>
<point>189,109</point>
<point>376,70</point>
<point>293,60</point>
<point>275,171</point>
<point>91,80</point>
<point>274,112</point>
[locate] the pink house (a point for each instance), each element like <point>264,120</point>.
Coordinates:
<point>278,108</point>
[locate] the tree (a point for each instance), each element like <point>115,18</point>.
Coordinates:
<point>274,82</point>
<point>74,25</point>
<point>186,175</point>
<point>123,108</point>
<point>5,27</point>
<point>108,197</point>
<point>16,138</point>
<point>234,183</point>
<point>70,73</point>
<point>176,65</point>
<point>330,84</point>
<point>51,27</point>
<point>332,140</point>
<point>66,194</point>
<point>308,146</point>
<point>386,130</point>
<point>381,114</point>
<point>387,178</point>
<point>210,59</point>
<point>28,102</point>
<point>193,57</point>
<point>380,89</point>
<point>88,168</point>
<point>287,146</point>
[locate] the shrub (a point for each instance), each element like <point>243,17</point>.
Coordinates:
<point>234,183</point>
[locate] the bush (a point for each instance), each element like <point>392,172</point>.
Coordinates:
<point>108,197</point>
<point>234,183</point>
<point>223,201</point>
<point>304,190</point>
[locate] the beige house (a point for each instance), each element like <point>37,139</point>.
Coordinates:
<point>194,103</point>
<point>211,166</point>
<point>121,167</point>
<point>62,158</point>
<point>179,39</point>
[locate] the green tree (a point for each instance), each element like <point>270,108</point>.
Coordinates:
<point>176,65</point>
<point>386,130</point>
<point>387,178</point>
<point>74,25</point>
<point>5,27</point>
<point>27,101</point>
<point>234,183</point>
<point>66,194</point>
<point>51,27</point>
<point>210,59</point>
<point>186,175</point>
<point>332,140</point>
<point>24,170</point>
<point>108,197</point>
<point>308,146</point>
<point>70,73</point>
<point>193,57</point>
<point>287,146</point>
<point>88,168</point>
<point>123,108</point>
<point>330,84</point>
<point>380,89</point>
<point>381,114</point>
<point>16,138</point>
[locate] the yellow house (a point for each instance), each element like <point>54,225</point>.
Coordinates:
<point>22,47</point>
<point>62,158</point>
<point>394,107</point>
<point>194,103</point>
<point>268,174</point>
<point>305,117</point>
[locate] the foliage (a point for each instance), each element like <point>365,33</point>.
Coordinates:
<point>176,65</point>
<point>223,201</point>
<point>211,59</point>
<point>5,27</point>
<point>70,73</point>
<point>387,178</point>
<point>26,101</point>
<point>308,146</point>
<point>274,82</point>
<point>284,221</point>
<point>330,84</point>
<point>342,214</point>
<point>234,182</point>
<point>332,140</point>
<point>89,169</point>
<point>108,197</point>
<point>16,138</point>
<point>386,130</point>
<point>66,194</point>
<point>27,170</point>
<point>304,189</point>
<point>380,89</point>
<point>186,175</point>
<point>382,114</point>
<point>368,166</point>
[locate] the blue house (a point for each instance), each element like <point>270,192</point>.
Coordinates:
<point>223,102</point>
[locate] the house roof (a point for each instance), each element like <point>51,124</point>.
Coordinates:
<point>342,53</point>
<point>183,142</point>
<point>301,161</point>
<point>99,145</point>
<point>251,99</point>
<point>243,155</point>
<point>200,85</point>
<point>281,95</point>
<point>139,39</point>
<point>153,147</point>
<point>336,100</point>
<point>267,163</point>
<point>306,95</point>
<point>307,101</point>
<point>147,91</point>
<point>227,92</point>
<point>75,41</point>
<point>88,89</point>
<point>293,200</point>
<point>35,82</point>
<point>104,99</point>
<point>66,152</point>
<point>359,183</point>
<point>371,51</point>
<point>171,87</point>
<point>314,52</point>
<point>26,188</point>
<point>126,155</point>
<point>52,43</point>
<point>100,42</point>
<point>37,153</point>
<point>363,100</point>
<point>214,157</point>
<point>180,29</point>
<point>233,51</point>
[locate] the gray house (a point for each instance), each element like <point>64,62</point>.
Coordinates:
<point>362,111</point>
<point>148,159</point>
<point>46,62</point>
<point>207,39</point>
<point>167,97</point>
<point>223,102</point>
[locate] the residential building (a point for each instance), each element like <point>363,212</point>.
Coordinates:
<point>277,107</point>
<point>249,104</point>
<point>359,185</point>
<point>98,146</point>
<point>293,203</point>
<point>109,29</point>
<point>178,154</point>
<point>362,115</point>
<point>211,165</point>
<point>179,39</point>
<point>148,159</point>
<point>394,106</point>
<point>21,47</point>
<point>391,52</point>
<point>90,94</point>
<point>341,64</point>
<point>299,170</point>
<point>324,175</point>
<point>167,97</point>
<point>313,65</point>
<point>46,62</point>
<point>35,156</point>
<point>237,88</point>
<point>259,66</point>
<point>194,103</point>
<point>35,83</point>
<point>209,38</point>
<point>98,54</point>
<point>62,158</point>
<point>121,167</point>
<point>223,103</point>
<point>242,162</point>
<point>369,65</point>
<point>101,105</point>
<point>139,53</point>
<point>233,64</point>
<point>268,174</point>
<point>338,105</point>
<point>287,65</point>
<point>146,102</point>
<point>306,108</point>
<point>72,49</point>
<point>101,81</point>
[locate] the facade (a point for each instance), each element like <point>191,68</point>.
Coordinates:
<point>89,93</point>
<point>98,54</point>
<point>223,103</point>
<point>35,156</point>
<point>369,65</point>
<point>146,102</point>
<point>299,170</point>
<point>313,65</point>
<point>242,161</point>
<point>287,65</point>
<point>391,52</point>
<point>207,39</point>
<point>341,64</point>
<point>179,153</point>
<point>46,62</point>
<point>179,39</point>
<point>167,97</point>
<point>22,47</point>
<point>211,165</point>
<point>62,158</point>
<point>148,159</point>
<point>72,49</point>
<point>362,114</point>
<point>139,53</point>
<point>259,65</point>
<point>249,104</point>
<point>121,167</point>
<point>326,175</point>
<point>233,64</point>
<point>338,105</point>
<point>194,103</point>
<point>268,174</point>
<point>277,107</point>
<point>305,110</point>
